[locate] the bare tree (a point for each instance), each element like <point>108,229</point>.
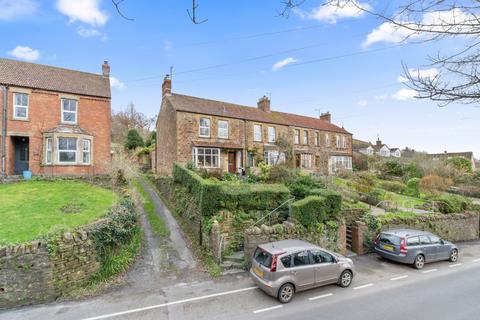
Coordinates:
<point>432,20</point>
<point>127,119</point>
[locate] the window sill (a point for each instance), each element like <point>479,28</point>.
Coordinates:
<point>20,119</point>
<point>66,165</point>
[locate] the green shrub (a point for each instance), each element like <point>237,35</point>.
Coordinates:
<point>413,187</point>
<point>374,196</point>
<point>364,182</point>
<point>134,140</point>
<point>460,163</point>
<point>393,168</point>
<point>332,198</point>
<point>302,186</point>
<point>393,186</point>
<point>451,203</point>
<point>310,211</point>
<point>283,174</point>
<point>411,170</point>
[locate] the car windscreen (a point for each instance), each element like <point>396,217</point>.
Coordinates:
<point>386,238</point>
<point>262,257</point>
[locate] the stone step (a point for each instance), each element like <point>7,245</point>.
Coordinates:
<point>237,257</point>
<point>229,265</point>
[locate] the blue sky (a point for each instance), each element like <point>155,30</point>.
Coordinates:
<point>343,62</point>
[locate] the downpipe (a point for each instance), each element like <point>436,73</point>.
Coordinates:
<point>3,153</point>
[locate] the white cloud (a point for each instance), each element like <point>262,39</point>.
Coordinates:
<point>25,53</point>
<point>331,13</point>
<point>381,97</point>
<point>430,21</point>
<point>86,11</point>
<point>419,74</point>
<point>90,32</point>
<point>405,94</point>
<point>282,63</point>
<point>115,83</point>
<point>14,9</point>
<point>362,103</point>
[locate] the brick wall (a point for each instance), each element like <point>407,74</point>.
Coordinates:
<point>166,143</point>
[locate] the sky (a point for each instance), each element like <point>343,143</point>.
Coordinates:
<point>316,60</point>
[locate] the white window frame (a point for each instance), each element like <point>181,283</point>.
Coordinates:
<point>48,150</point>
<point>337,141</point>
<point>297,136</point>
<point>69,111</point>
<point>205,127</point>
<point>306,160</point>
<point>341,162</point>
<point>87,142</point>
<point>257,133</point>
<point>327,140</point>
<point>273,157</point>
<point>223,132</point>
<point>18,106</point>
<point>202,152</point>
<point>59,151</point>
<point>272,134</point>
<point>317,138</point>
<point>344,142</point>
<point>305,137</point>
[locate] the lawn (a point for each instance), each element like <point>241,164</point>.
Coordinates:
<point>31,209</point>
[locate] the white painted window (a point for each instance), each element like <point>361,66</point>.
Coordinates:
<point>305,137</point>
<point>297,136</point>
<point>337,143</point>
<point>87,151</point>
<point>340,162</point>
<point>306,160</point>
<point>257,132</point>
<point>327,140</point>
<point>206,157</point>
<point>20,106</point>
<point>317,138</point>
<point>272,134</point>
<point>67,150</point>
<point>223,129</point>
<point>344,142</point>
<point>274,157</point>
<point>204,127</point>
<point>48,151</point>
<point>69,111</point>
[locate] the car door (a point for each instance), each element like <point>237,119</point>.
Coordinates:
<point>443,251</point>
<point>428,248</point>
<point>326,267</point>
<point>302,270</point>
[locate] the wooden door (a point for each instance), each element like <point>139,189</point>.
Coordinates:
<point>232,162</point>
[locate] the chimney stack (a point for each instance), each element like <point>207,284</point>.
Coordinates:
<point>326,117</point>
<point>379,142</point>
<point>264,104</point>
<point>167,86</point>
<point>105,69</point>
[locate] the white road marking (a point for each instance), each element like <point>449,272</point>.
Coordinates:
<point>455,265</point>
<point>321,297</point>
<point>268,309</point>
<point>364,286</point>
<point>431,270</point>
<point>399,278</point>
<point>116,314</point>
<point>476,260</point>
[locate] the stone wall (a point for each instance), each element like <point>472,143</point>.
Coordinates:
<point>331,238</point>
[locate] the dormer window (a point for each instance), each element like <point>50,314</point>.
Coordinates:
<point>20,106</point>
<point>69,111</point>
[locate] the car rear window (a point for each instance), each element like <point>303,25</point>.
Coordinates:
<point>262,257</point>
<point>386,238</point>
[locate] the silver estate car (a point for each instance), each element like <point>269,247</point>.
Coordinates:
<point>284,267</point>
<point>414,247</point>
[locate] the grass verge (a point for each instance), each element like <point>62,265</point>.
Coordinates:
<point>158,226</point>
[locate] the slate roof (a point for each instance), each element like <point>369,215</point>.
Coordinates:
<point>38,76</point>
<point>236,111</point>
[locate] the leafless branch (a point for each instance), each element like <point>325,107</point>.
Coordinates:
<point>288,6</point>
<point>117,3</point>
<point>193,14</point>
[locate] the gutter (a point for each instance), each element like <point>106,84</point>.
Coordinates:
<point>3,151</point>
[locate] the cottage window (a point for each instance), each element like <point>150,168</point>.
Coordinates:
<point>257,133</point>
<point>297,136</point>
<point>327,140</point>
<point>69,111</point>
<point>274,157</point>
<point>344,142</point>
<point>250,160</point>
<point>48,151</point>
<point>337,144</point>
<point>341,162</point>
<point>306,160</point>
<point>67,150</point>
<point>223,129</point>
<point>305,137</point>
<point>206,157</point>
<point>204,127</point>
<point>272,134</point>
<point>20,106</point>
<point>87,151</point>
<point>317,138</point>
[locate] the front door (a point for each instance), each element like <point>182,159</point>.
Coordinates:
<point>232,162</point>
<point>21,155</point>
<point>297,161</point>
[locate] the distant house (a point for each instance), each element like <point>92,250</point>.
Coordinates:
<point>378,148</point>
<point>54,121</point>
<point>447,155</point>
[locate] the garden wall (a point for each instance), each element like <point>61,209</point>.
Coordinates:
<point>331,236</point>
<point>41,271</point>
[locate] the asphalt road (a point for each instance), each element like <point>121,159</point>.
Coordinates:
<point>382,290</point>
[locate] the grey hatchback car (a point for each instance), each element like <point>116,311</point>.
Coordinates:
<point>284,267</point>
<point>414,247</point>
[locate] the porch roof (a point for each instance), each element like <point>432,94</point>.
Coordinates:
<point>215,144</point>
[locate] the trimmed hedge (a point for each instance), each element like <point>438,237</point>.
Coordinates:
<point>310,210</point>
<point>332,198</point>
<point>450,203</point>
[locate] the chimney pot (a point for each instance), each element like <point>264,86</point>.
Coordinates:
<point>105,69</point>
<point>167,86</point>
<point>327,116</point>
<point>264,104</point>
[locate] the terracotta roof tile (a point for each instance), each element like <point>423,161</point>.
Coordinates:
<point>225,109</point>
<point>38,76</point>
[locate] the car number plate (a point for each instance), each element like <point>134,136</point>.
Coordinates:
<point>389,248</point>
<point>259,272</point>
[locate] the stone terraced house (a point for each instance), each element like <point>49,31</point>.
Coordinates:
<point>54,121</point>
<point>224,137</point>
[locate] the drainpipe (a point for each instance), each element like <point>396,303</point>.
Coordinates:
<point>3,153</point>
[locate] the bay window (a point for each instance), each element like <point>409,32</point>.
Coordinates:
<point>67,150</point>
<point>87,151</point>
<point>306,160</point>
<point>206,157</point>
<point>48,151</point>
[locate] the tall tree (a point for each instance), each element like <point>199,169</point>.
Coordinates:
<point>134,140</point>
<point>127,119</point>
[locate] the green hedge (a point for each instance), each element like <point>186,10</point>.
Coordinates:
<point>450,203</point>
<point>332,198</point>
<point>393,186</point>
<point>310,210</point>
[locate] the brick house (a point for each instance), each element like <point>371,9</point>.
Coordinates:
<point>54,121</point>
<point>224,137</point>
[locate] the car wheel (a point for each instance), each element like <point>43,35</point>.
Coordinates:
<point>453,255</point>
<point>419,261</point>
<point>285,293</point>
<point>345,279</point>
